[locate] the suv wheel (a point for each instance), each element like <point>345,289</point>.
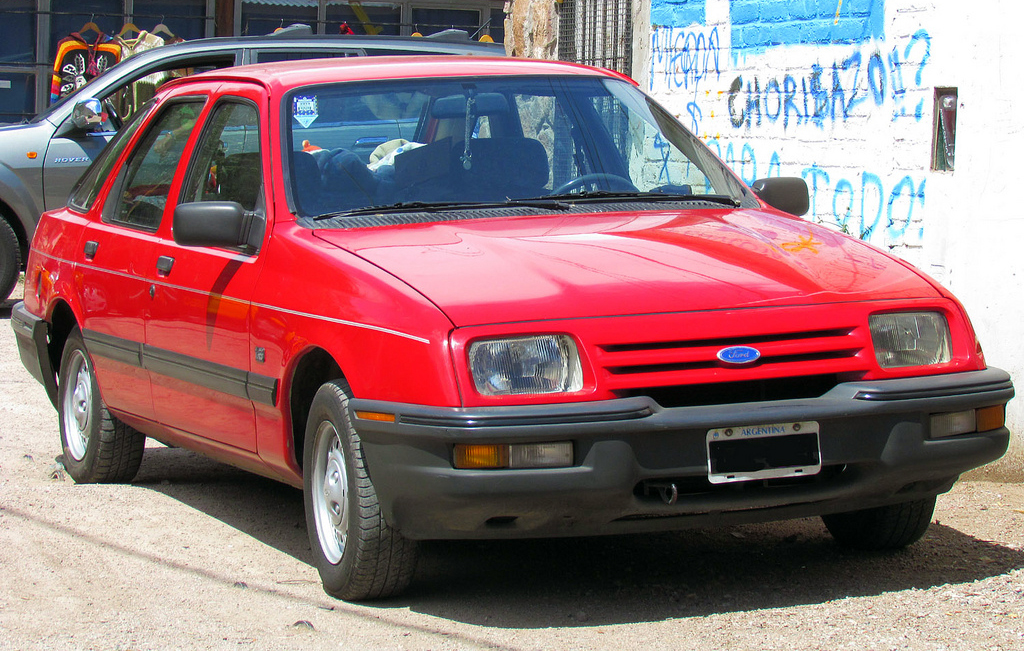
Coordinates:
<point>358,554</point>
<point>10,260</point>
<point>886,527</point>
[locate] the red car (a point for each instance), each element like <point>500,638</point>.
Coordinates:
<point>490,298</point>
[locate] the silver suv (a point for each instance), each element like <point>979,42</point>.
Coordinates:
<point>43,158</point>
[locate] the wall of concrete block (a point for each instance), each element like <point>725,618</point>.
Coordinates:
<point>843,94</point>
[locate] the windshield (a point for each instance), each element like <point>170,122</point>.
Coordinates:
<point>410,144</point>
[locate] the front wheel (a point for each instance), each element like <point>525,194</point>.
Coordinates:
<point>885,527</point>
<point>358,554</point>
<point>98,448</point>
<point>10,260</point>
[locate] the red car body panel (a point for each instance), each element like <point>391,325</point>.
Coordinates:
<point>550,267</point>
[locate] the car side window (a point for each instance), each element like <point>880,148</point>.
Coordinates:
<point>227,164</point>
<point>146,178</point>
<point>88,187</point>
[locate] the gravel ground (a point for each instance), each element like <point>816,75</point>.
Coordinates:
<point>197,555</point>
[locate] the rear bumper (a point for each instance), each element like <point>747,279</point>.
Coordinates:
<point>875,448</point>
<point>32,334</point>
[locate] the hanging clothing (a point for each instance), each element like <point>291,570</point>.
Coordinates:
<point>138,93</point>
<point>78,61</point>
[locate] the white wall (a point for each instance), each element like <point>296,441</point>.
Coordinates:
<point>840,92</point>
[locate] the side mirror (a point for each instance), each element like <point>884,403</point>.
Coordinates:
<point>787,193</point>
<point>216,223</point>
<point>87,114</point>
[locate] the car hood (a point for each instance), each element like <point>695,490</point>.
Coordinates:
<point>566,266</point>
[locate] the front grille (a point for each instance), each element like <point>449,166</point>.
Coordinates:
<point>679,372</point>
<point>724,393</point>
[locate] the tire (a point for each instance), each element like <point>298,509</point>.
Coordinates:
<point>886,527</point>
<point>10,260</point>
<point>98,448</point>
<point>359,556</point>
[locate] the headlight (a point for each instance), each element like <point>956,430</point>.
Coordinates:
<point>910,339</point>
<point>525,365</point>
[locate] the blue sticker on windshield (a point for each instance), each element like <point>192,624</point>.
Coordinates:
<point>304,109</point>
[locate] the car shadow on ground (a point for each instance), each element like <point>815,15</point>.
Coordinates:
<point>629,579</point>
<point>601,580</point>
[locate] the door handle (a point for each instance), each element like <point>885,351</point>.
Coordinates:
<point>91,247</point>
<point>164,264</point>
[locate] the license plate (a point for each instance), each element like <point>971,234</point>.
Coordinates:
<point>763,452</point>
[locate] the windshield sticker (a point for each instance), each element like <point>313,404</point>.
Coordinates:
<point>304,109</point>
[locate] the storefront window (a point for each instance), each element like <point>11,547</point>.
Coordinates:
<point>264,16</point>
<point>367,19</point>
<point>69,16</point>
<point>17,96</point>
<point>182,18</point>
<point>17,32</point>
<point>430,21</point>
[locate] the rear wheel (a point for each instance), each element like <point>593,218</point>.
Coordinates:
<point>98,448</point>
<point>358,554</point>
<point>885,527</point>
<point>10,259</point>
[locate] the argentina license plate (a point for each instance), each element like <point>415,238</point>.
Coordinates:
<point>763,452</point>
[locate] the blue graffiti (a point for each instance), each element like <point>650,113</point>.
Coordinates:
<point>832,94</point>
<point>861,206</point>
<point>665,153</point>
<point>683,58</point>
<point>875,202</point>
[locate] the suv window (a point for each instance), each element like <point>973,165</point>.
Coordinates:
<point>270,56</point>
<point>227,164</point>
<point>146,178</point>
<point>88,187</point>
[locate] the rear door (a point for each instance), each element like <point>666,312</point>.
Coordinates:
<point>197,332</point>
<point>116,291</point>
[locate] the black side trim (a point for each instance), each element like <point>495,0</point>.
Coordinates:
<point>196,371</point>
<point>261,388</point>
<point>121,350</point>
<point>488,417</point>
<point>956,384</point>
<point>216,377</point>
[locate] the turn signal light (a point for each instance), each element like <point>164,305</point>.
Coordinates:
<point>520,455</point>
<point>990,418</point>
<point>377,416</point>
<point>967,422</point>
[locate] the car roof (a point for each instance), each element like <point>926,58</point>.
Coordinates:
<point>292,74</point>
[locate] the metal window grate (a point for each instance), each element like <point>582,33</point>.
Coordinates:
<point>597,33</point>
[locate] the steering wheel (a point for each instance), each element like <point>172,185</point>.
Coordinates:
<point>613,182</point>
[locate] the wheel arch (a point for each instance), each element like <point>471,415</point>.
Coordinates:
<point>18,207</point>
<point>313,368</point>
<point>11,217</point>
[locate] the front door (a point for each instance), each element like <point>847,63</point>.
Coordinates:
<point>197,333</point>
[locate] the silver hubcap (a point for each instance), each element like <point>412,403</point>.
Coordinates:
<point>77,412</point>
<point>330,492</point>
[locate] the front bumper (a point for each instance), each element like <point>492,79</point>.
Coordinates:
<point>874,445</point>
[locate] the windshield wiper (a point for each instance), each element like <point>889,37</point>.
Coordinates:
<point>596,196</point>
<point>441,206</point>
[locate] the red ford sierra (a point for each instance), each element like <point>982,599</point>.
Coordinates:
<point>490,298</point>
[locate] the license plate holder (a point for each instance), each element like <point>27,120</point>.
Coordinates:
<point>752,452</point>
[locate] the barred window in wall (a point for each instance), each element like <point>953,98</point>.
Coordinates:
<point>597,33</point>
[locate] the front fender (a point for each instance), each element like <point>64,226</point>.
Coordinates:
<point>18,203</point>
